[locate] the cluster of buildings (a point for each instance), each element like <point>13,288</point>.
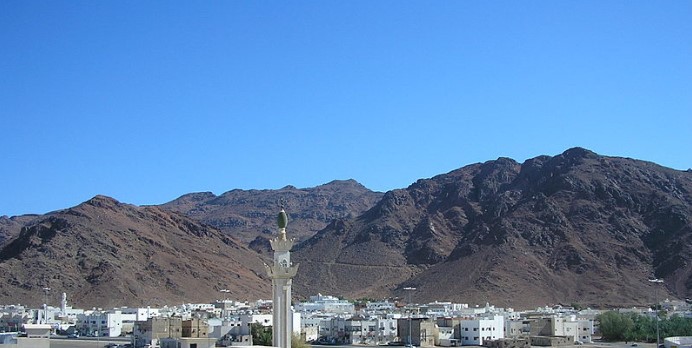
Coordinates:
<point>322,319</point>
<point>440,324</point>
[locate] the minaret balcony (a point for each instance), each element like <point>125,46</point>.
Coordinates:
<point>280,272</point>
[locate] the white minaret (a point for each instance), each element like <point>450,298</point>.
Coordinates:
<point>63,305</point>
<point>282,273</point>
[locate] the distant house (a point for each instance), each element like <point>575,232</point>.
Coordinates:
<point>37,336</point>
<point>515,328</point>
<point>422,332</point>
<point>575,329</point>
<point>151,332</point>
<point>476,331</point>
<point>195,328</point>
<point>360,330</point>
<point>230,330</point>
<point>97,323</point>
<point>12,322</point>
<point>325,304</point>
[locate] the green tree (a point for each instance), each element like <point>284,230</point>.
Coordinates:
<point>261,335</point>
<point>615,326</point>
<point>676,326</point>
<point>642,328</point>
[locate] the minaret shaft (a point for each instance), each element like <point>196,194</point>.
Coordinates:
<point>282,273</point>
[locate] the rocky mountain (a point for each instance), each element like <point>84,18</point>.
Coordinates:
<point>10,226</point>
<point>104,253</point>
<point>573,228</point>
<point>250,215</point>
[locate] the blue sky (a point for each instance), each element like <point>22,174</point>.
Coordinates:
<point>145,101</point>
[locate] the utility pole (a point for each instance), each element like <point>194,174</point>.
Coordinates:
<point>45,305</point>
<point>658,332</point>
<point>409,291</point>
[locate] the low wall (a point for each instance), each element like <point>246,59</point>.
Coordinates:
<point>552,341</point>
<point>508,343</point>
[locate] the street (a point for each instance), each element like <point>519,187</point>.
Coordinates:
<point>84,342</point>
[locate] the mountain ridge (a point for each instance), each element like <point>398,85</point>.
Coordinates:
<point>505,224</point>
<point>577,227</point>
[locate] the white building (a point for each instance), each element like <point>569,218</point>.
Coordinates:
<point>334,329</point>
<point>361,331</point>
<point>266,320</point>
<point>230,330</point>
<point>379,306</point>
<point>387,329</point>
<point>140,313</point>
<point>325,304</point>
<point>678,342</point>
<point>441,308</point>
<point>478,330</point>
<point>100,323</point>
<point>310,325</point>
<point>565,326</point>
<point>67,314</point>
<point>585,330</point>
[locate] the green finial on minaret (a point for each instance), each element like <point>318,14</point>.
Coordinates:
<point>282,220</point>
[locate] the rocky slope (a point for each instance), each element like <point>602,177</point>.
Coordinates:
<point>574,228</point>
<point>10,226</point>
<point>104,253</point>
<point>250,215</point>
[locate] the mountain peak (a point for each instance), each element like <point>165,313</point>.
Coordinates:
<point>102,201</point>
<point>579,152</point>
